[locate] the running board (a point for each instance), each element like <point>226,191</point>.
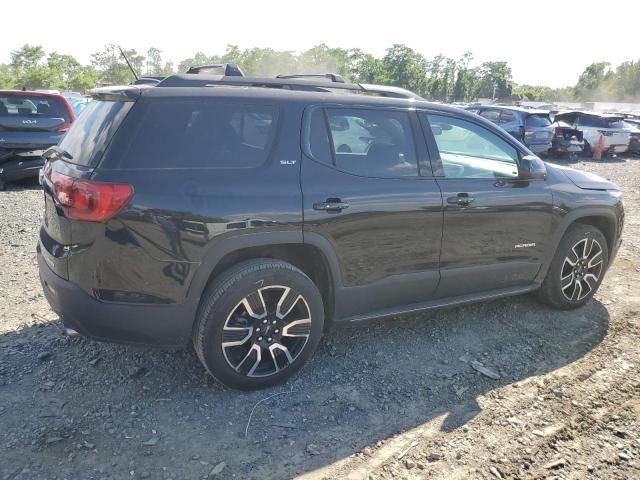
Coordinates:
<point>441,303</point>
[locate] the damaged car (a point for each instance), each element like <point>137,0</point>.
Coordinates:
<point>593,126</point>
<point>30,123</point>
<point>566,140</point>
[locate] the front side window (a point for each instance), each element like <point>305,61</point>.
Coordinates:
<point>468,150</point>
<point>372,143</point>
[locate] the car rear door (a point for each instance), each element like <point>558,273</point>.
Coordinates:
<point>496,226</point>
<point>369,193</point>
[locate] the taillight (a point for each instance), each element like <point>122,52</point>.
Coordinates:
<point>64,127</point>
<point>88,200</point>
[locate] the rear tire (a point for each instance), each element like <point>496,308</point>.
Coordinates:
<point>258,323</point>
<point>577,268</point>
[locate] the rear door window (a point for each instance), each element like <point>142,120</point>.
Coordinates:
<point>372,143</point>
<point>194,135</point>
<point>90,134</point>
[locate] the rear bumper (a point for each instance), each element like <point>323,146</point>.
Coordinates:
<point>20,168</point>
<point>539,147</point>
<point>160,325</point>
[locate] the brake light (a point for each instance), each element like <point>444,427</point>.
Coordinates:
<point>64,127</point>
<point>88,200</point>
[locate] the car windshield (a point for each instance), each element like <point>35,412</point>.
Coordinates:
<point>21,105</point>
<point>538,120</point>
<point>614,123</point>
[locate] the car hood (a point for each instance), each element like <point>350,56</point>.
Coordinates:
<point>585,180</point>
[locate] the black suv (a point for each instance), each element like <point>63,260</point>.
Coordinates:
<point>247,214</point>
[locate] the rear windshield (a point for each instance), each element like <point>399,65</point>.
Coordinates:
<point>537,121</point>
<point>194,135</point>
<point>601,122</point>
<point>90,134</point>
<point>33,106</point>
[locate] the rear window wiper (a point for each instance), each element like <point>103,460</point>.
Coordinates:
<point>56,151</point>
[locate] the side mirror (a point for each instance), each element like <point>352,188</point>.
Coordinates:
<point>531,168</point>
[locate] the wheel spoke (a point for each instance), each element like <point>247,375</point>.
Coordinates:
<point>282,348</point>
<point>254,305</point>
<point>567,281</point>
<point>297,328</point>
<point>586,252</point>
<point>255,349</point>
<point>595,260</point>
<point>234,336</point>
<point>285,306</point>
<point>593,278</point>
<point>577,293</point>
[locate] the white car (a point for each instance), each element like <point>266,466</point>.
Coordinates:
<point>594,125</point>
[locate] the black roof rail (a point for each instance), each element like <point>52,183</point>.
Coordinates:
<point>334,77</point>
<point>203,80</point>
<point>228,69</point>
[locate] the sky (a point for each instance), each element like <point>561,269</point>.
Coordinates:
<point>547,42</point>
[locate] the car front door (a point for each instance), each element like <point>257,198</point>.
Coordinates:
<point>496,225</point>
<point>370,194</point>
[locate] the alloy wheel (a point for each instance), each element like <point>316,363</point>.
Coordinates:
<point>266,331</point>
<point>581,269</point>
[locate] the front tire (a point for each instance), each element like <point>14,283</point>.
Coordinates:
<point>258,323</point>
<point>577,268</point>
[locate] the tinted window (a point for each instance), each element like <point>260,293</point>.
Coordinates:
<point>33,106</point>
<point>319,146</point>
<point>507,117</point>
<point>537,121</point>
<point>194,135</point>
<point>491,115</point>
<point>468,150</point>
<point>373,143</point>
<point>91,132</point>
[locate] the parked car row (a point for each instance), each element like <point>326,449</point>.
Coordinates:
<point>567,132</point>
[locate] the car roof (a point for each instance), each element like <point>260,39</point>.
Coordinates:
<point>31,93</point>
<point>513,109</point>
<point>593,114</point>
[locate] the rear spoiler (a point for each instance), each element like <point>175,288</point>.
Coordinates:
<point>126,93</point>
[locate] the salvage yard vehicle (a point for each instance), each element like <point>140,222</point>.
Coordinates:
<point>246,215</point>
<point>567,140</point>
<point>634,135</point>
<point>531,127</point>
<point>610,128</point>
<point>30,123</point>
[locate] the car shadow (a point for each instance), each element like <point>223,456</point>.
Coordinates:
<point>73,406</point>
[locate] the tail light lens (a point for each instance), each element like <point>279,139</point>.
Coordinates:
<point>88,200</point>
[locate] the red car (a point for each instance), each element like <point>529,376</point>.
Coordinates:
<point>30,123</point>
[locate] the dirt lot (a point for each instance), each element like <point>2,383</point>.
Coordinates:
<point>393,399</point>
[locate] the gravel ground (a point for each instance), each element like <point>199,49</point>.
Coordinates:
<point>405,398</point>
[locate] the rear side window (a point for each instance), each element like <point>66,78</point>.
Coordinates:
<point>33,106</point>
<point>367,142</point>
<point>537,121</point>
<point>90,134</point>
<point>194,135</point>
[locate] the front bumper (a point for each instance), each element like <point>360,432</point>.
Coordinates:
<point>160,325</point>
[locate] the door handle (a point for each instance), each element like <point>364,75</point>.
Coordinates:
<point>462,200</point>
<point>334,205</point>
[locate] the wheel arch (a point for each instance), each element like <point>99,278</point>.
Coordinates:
<point>603,218</point>
<point>314,257</point>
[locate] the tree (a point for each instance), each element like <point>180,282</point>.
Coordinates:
<point>494,80</point>
<point>111,67</point>
<point>406,68</point>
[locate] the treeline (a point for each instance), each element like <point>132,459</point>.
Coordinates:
<point>439,78</point>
